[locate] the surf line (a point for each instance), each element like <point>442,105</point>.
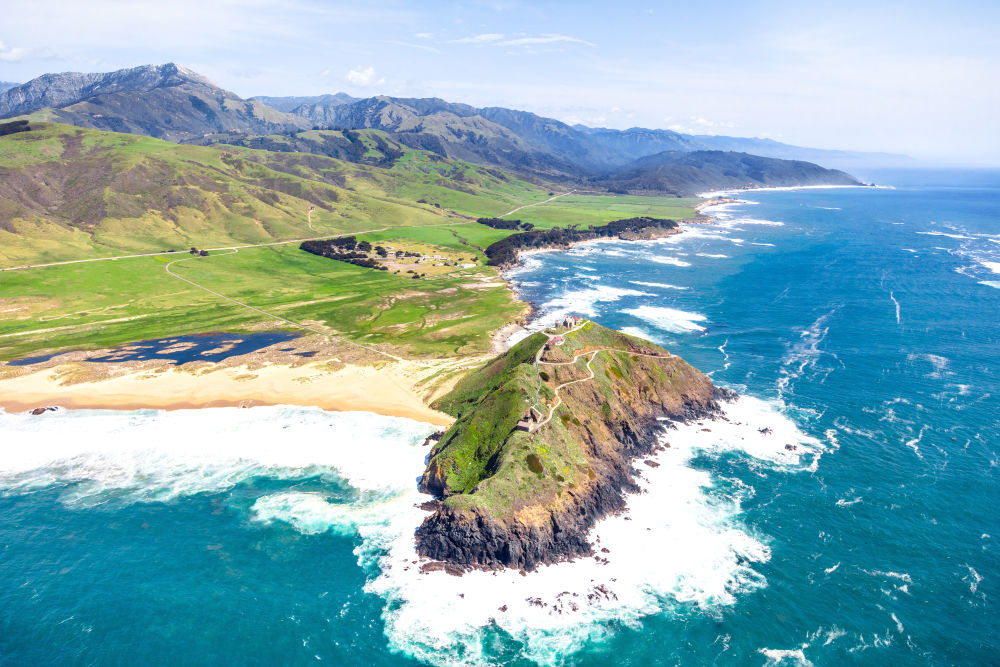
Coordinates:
<point>893,298</point>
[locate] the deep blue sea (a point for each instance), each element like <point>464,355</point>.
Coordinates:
<point>862,327</point>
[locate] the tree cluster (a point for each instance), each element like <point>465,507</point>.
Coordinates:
<point>500,223</point>
<point>344,249</point>
<point>505,251</point>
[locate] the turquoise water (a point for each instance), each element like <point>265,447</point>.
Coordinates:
<point>866,319</point>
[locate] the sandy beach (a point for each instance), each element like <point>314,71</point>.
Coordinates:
<point>391,389</point>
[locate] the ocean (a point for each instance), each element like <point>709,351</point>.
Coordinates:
<point>845,511</point>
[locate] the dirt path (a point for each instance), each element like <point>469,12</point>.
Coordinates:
<point>593,355</point>
<point>270,243</point>
<point>503,215</point>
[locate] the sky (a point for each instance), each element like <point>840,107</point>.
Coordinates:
<point>917,78</point>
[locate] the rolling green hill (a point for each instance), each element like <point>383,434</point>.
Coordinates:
<point>68,193</point>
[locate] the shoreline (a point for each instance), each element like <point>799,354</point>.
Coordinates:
<point>390,390</point>
<point>396,389</point>
<point>785,188</point>
<point>508,274</point>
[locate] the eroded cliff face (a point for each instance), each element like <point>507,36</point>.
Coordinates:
<point>540,492</point>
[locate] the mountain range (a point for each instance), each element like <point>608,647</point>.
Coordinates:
<point>174,103</point>
<point>164,101</point>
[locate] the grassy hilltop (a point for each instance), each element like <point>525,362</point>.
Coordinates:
<point>517,498</point>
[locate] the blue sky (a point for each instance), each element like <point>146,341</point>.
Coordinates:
<point>913,77</point>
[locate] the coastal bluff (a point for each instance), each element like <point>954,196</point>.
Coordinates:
<point>544,444</point>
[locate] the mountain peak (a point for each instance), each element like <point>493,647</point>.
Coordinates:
<point>64,88</point>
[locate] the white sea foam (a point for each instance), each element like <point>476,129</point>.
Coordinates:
<point>899,626</point>
<point>804,354</point>
<point>995,284</point>
<point>158,456</point>
<point>951,236</point>
<point>711,255</point>
<point>785,656</point>
<point>893,298</point>
<point>556,610</point>
<point>642,333</point>
<point>992,266</point>
<point>757,221</point>
<point>938,363</point>
<point>660,285</point>
<point>668,319</point>
<point>913,443</point>
<point>673,261</point>
<point>581,302</point>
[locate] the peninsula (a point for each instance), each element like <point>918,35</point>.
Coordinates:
<point>544,443</point>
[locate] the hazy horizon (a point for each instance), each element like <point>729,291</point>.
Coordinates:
<point>898,78</point>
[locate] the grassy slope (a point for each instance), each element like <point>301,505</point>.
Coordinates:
<point>68,193</point>
<point>503,472</point>
<point>103,303</point>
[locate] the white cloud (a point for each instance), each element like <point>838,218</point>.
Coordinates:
<point>422,47</point>
<point>486,38</point>
<point>11,54</point>
<point>699,125</point>
<point>424,35</point>
<point>547,38</point>
<point>363,77</point>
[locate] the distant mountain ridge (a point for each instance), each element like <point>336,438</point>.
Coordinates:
<point>596,149</point>
<point>290,103</point>
<point>164,101</point>
<point>689,173</point>
<point>175,103</point>
<point>5,85</point>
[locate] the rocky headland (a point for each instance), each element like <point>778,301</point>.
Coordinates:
<point>544,444</point>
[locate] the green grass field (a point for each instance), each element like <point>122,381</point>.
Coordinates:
<point>178,196</point>
<point>586,210</point>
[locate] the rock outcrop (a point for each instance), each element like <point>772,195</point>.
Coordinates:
<point>520,496</point>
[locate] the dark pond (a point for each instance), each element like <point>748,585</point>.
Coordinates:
<point>183,349</point>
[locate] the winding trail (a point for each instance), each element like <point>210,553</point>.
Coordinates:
<point>590,369</point>
<point>539,203</point>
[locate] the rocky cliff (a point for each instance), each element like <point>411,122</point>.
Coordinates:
<point>519,492</point>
